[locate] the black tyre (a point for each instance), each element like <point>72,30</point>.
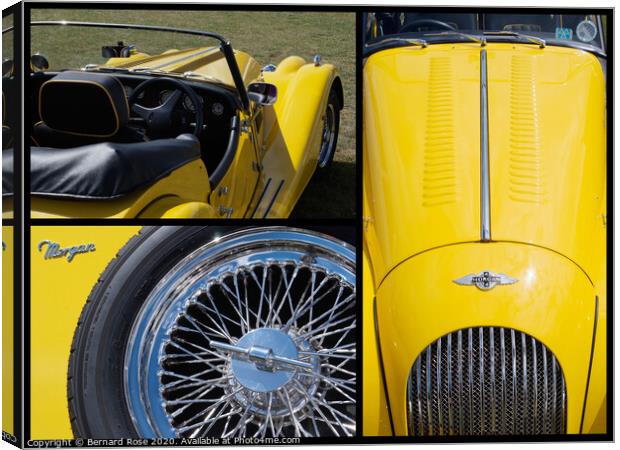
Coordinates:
<point>189,333</point>
<point>331,128</point>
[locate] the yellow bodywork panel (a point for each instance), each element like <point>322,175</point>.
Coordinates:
<point>547,148</point>
<point>59,290</point>
<point>376,414</point>
<point>553,301</point>
<point>232,196</point>
<point>292,132</point>
<point>421,150</point>
<point>8,360</point>
<point>595,414</point>
<point>422,188</point>
<point>188,183</point>
<point>206,61</point>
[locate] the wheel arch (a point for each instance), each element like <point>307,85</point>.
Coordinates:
<point>337,86</point>
<point>293,126</point>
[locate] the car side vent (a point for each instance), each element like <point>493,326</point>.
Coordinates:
<point>486,381</point>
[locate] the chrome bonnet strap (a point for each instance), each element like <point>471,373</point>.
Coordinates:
<point>485,194</point>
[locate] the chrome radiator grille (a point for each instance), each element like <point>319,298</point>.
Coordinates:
<point>485,381</point>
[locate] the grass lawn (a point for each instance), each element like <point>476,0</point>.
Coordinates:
<point>7,38</point>
<point>268,36</point>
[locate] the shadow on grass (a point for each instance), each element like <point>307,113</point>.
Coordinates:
<point>329,195</point>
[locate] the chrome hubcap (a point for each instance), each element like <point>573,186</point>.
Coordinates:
<point>267,373</point>
<point>252,335</point>
<point>264,359</point>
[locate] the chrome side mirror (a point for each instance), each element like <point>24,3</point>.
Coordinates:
<point>39,63</point>
<point>263,93</point>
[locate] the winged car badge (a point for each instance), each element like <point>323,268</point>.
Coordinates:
<point>485,280</point>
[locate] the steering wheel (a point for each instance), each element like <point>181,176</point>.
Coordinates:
<point>162,121</point>
<point>411,26</point>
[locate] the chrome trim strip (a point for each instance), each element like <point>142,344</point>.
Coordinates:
<point>525,387</point>
<point>421,430</point>
<point>481,375</point>
<point>260,199</point>
<point>504,428</point>
<point>410,411</point>
<point>546,388</point>
<point>492,366</point>
<point>485,200</point>
<point>439,412</point>
<point>564,404</point>
<point>375,47</point>
<point>600,28</point>
<point>273,199</point>
<point>514,377</point>
<point>449,359</point>
<point>470,369</point>
<point>555,391</point>
<point>429,389</point>
<point>535,360</point>
<point>460,375</point>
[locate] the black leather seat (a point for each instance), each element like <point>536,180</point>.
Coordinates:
<point>101,171</point>
<point>107,170</point>
<point>84,149</point>
<point>81,108</point>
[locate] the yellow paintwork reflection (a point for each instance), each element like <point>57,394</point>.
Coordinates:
<point>547,131</point>
<point>422,146</point>
<point>293,130</point>
<point>7,331</point>
<point>553,301</point>
<point>547,150</point>
<point>58,292</point>
<point>282,150</point>
<point>206,61</point>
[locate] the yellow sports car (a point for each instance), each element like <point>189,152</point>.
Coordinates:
<point>201,131</point>
<point>485,286</point>
<point>192,332</point>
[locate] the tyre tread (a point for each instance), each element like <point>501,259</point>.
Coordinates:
<point>73,400</point>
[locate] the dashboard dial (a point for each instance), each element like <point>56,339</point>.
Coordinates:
<point>586,31</point>
<point>164,95</point>
<point>188,105</point>
<point>217,109</point>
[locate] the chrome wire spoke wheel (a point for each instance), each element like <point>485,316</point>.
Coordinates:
<point>252,335</point>
<point>329,136</point>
